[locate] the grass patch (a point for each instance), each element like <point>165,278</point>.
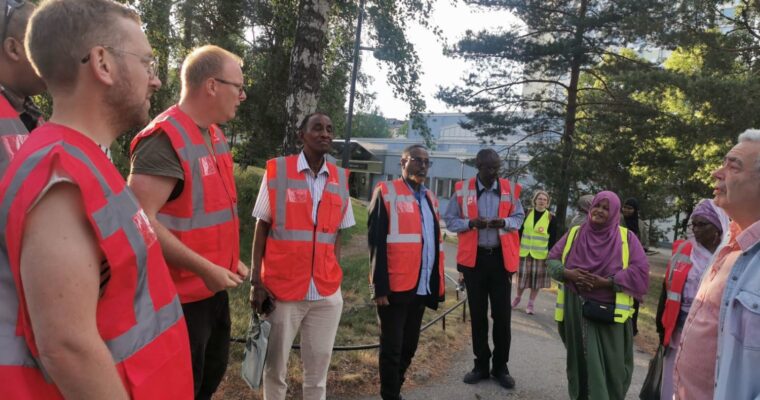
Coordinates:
<point>351,372</point>
<point>647,339</point>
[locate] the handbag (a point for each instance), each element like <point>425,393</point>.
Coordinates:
<point>650,390</point>
<point>598,311</point>
<point>255,351</point>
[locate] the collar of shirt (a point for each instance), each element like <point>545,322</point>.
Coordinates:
<point>417,194</point>
<point>481,188</point>
<point>303,165</point>
<point>749,237</point>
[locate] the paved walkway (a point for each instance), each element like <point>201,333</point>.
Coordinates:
<point>537,360</point>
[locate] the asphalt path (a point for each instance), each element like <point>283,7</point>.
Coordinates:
<point>537,359</point>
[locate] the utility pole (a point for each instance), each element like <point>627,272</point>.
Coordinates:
<point>352,91</point>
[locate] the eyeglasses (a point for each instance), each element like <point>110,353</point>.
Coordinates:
<point>420,161</point>
<point>10,7</point>
<point>149,61</point>
<point>239,86</point>
<point>698,224</point>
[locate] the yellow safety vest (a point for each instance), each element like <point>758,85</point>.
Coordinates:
<point>623,302</point>
<point>535,239</point>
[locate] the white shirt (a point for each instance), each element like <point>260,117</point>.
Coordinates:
<point>263,211</point>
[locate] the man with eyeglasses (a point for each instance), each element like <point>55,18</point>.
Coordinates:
<point>89,308</point>
<point>182,174</point>
<point>18,82</point>
<point>406,264</point>
<point>486,214</point>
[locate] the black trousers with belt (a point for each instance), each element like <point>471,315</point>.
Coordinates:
<point>489,281</point>
<point>400,323</point>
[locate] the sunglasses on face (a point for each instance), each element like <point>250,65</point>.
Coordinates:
<point>419,161</point>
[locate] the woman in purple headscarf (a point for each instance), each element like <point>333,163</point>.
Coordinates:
<point>599,353</point>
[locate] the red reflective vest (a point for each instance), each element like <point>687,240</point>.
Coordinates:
<point>12,133</point>
<point>404,239</point>
<point>204,217</point>
<point>675,279</point>
<point>468,207</point>
<point>138,313</point>
<point>297,247</point>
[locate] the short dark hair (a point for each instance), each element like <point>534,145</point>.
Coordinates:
<point>408,149</point>
<point>483,153</point>
<point>305,120</point>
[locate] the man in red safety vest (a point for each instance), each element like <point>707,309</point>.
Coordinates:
<point>89,309</point>
<point>486,214</point>
<point>182,175</point>
<point>302,206</point>
<point>18,81</point>
<point>406,264</point>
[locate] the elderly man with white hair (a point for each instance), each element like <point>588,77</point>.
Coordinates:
<point>720,345</point>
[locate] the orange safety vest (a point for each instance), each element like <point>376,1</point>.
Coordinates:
<point>404,239</point>
<point>675,280</point>
<point>12,133</point>
<point>299,248</point>
<point>139,316</point>
<point>204,217</point>
<point>468,208</point>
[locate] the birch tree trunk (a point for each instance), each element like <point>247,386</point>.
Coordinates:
<point>306,63</point>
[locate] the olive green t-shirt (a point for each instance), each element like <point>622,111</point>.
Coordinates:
<point>155,155</point>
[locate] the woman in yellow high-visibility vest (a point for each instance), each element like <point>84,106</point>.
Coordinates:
<point>537,235</point>
<point>602,268</point>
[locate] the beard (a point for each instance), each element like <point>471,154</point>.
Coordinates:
<point>128,108</point>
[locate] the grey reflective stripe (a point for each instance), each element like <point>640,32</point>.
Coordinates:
<point>622,307</point>
<point>192,153</point>
<point>14,348</point>
<point>117,214</point>
<point>673,296</point>
<point>393,232</point>
<point>12,126</point>
<point>465,193</point>
<point>522,246</point>
<point>675,259</point>
<point>343,191</point>
<point>536,238</point>
<point>291,235</point>
<point>202,220</point>
<point>281,192</point>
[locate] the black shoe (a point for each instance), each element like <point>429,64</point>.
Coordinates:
<point>505,379</point>
<point>475,376</point>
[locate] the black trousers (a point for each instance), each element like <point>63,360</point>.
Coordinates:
<point>208,325</point>
<point>488,280</point>
<point>399,334</point>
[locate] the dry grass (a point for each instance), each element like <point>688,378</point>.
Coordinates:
<point>647,339</point>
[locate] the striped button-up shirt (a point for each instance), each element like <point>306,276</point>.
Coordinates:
<point>262,209</point>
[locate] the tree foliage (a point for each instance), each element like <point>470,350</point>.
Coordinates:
<point>527,77</point>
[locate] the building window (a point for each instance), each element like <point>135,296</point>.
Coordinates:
<point>443,188</point>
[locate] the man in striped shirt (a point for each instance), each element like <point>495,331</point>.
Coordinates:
<point>301,207</point>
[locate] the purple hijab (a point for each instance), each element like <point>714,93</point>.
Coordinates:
<point>598,249</point>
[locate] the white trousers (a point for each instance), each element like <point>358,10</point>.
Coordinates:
<point>318,321</point>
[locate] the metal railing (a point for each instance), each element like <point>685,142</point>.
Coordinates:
<point>441,317</point>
